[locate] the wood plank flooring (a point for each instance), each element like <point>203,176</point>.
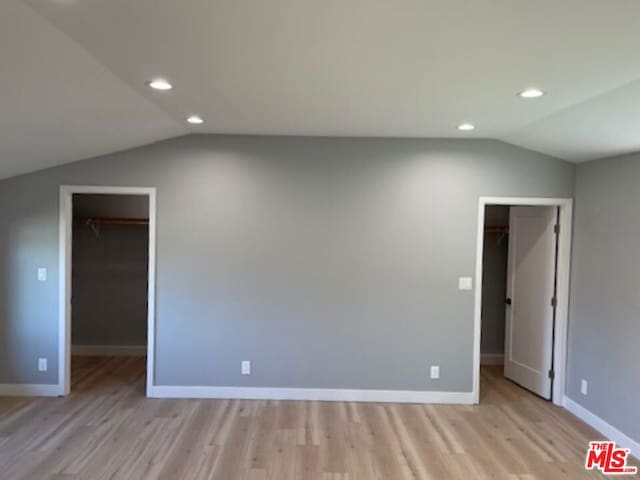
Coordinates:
<point>106,429</point>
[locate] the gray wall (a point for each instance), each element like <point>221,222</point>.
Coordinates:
<point>604,327</point>
<point>494,281</point>
<point>327,262</point>
<point>109,272</point>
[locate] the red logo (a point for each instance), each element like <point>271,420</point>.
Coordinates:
<point>608,459</point>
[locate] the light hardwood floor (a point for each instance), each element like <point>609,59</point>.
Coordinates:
<point>106,429</point>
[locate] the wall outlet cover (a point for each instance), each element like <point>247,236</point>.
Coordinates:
<point>584,387</point>
<point>42,364</point>
<point>435,371</point>
<point>246,367</point>
<point>465,283</point>
<point>42,274</point>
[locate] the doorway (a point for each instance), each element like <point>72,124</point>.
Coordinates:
<point>107,281</point>
<point>521,303</point>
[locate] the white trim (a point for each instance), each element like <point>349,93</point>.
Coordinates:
<point>606,429</point>
<point>29,390</point>
<point>562,310</point>
<point>151,293</point>
<point>64,294</point>
<point>109,350</point>
<point>320,394</point>
<point>492,359</point>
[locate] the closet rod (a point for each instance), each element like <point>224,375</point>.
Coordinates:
<point>113,221</point>
<point>496,229</point>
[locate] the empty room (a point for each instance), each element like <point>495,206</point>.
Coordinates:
<point>319,240</point>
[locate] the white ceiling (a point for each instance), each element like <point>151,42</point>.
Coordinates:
<point>59,104</point>
<point>73,72</point>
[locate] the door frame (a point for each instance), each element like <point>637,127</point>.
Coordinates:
<point>562,293</point>
<point>64,281</point>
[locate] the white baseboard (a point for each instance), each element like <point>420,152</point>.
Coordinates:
<point>321,394</point>
<point>492,359</point>
<point>109,350</point>
<point>609,431</point>
<point>29,390</point>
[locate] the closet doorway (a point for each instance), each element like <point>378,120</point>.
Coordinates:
<point>107,260</point>
<point>522,292</point>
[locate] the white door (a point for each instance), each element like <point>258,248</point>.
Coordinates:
<point>530,292</point>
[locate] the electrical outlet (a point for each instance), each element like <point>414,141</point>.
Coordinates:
<point>42,274</point>
<point>42,364</point>
<point>583,386</point>
<point>435,371</point>
<point>246,367</point>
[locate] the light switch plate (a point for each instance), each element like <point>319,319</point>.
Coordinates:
<point>583,387</point>
<point>42,274</point>
<point>465,283</point>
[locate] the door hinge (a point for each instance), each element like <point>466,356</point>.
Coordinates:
<point>554,302</point>
<point>552,374</point>
<point>556,228</point>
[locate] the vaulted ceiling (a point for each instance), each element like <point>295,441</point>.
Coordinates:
<point>73,73</point>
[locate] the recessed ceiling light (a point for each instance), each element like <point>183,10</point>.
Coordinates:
<point>531,93</point>
<point>195,120</point>
<point>465,127</point>
<point>160,84</point>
